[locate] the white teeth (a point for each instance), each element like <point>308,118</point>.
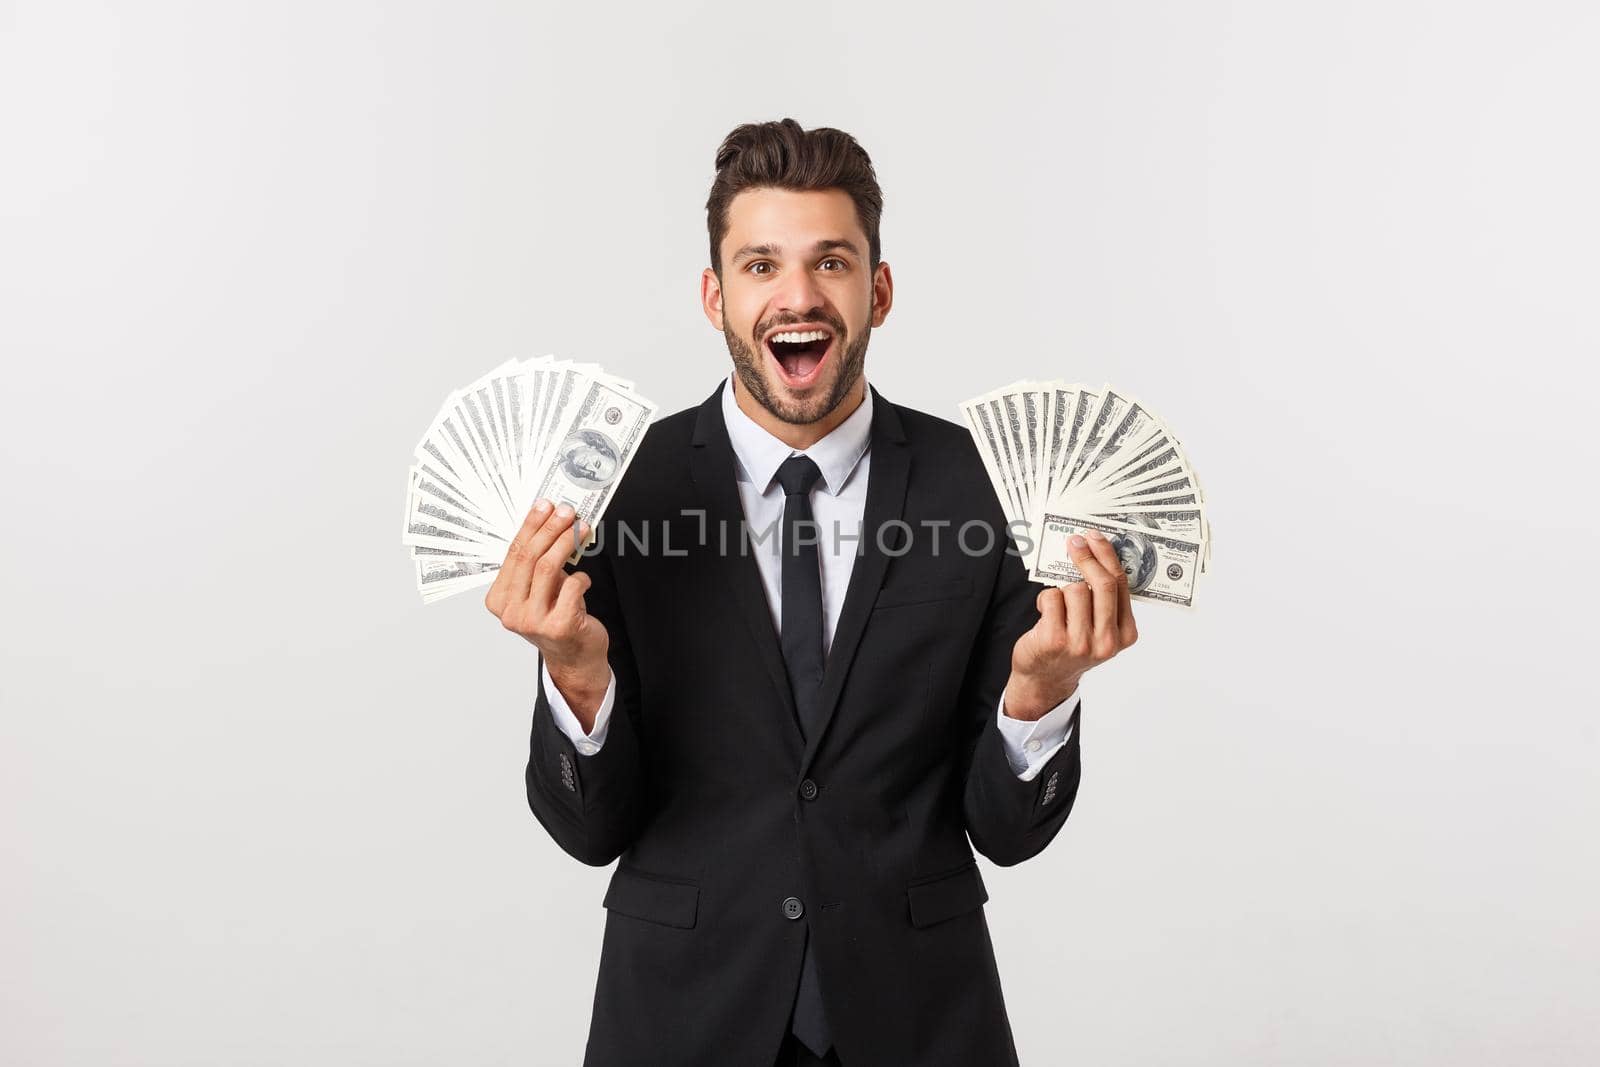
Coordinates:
<point>800,338</point>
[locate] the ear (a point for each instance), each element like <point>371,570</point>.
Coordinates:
<point>882,294</point>
<point>711,297</point>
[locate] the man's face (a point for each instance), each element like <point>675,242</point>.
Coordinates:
<point>795,263</point>
<point>592,462</point>
<point>1128,553</point>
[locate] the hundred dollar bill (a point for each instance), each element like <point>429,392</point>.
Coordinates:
<point>1180,483</point>
<point>591,451</point>
<point>1161,466</point>
<point>992,434</point>
<point>1131,430</point>
<point>423,552</point>
<point>429,483</point>
<point>1077,427</point>
<point>550,374</point>
<point>1094,431</point>
<point>437,576</point>
<point>511,409</point>
<point>534,374</point>
<point>984,435</point>
<point>1058,409</point>
<point>489,402</point>
<point>1155,500</point>
<point>1010,467</point>
<point>557,412</point>
<point>427,510</point>
<point>479,423</point>
<point>1016,437</point>
<point>1189,523</point>
<point>1159,566</point>
<point>457,432</point>
<point>1112,466</point>
<point>430,525</point>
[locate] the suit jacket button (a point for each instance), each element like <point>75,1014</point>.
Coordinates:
<point>792,908</point>
<point>808,789</point>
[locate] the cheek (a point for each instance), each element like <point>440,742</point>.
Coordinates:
<point>856,312</point>
<point>739,313</point>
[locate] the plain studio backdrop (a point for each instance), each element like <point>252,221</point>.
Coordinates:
<point>261,806</point>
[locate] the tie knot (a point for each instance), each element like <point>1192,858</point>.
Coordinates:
<point>798,474</point>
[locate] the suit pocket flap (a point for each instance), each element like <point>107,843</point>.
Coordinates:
<point>947,896</point>
<point>652,899</point>
<point>922,592</point>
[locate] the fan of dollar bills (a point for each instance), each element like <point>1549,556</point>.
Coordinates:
<point>528,429</point>
<point>1067,458</point>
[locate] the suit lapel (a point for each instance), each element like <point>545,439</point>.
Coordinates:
<point>711,465</point>
<point>886,498</point>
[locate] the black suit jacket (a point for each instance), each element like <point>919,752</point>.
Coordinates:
<point>721,810</point>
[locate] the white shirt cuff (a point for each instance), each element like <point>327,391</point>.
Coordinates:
<point>1029,745</point>
<point>587,743</point>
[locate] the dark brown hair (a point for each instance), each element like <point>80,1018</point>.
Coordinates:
<point>782,155</point>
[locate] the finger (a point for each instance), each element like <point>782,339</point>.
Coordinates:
<point>499,590</point>
<point>569,607</point>
<point>553,542</point>
<point>1080,618</point>
<point>518,567</point>
<point>1052,611</point>
<point>1083,557</point>
<point>1097,562</point>
<point>1108,601</point>
<point>1129,628</point>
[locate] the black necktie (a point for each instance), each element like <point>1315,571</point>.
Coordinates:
<point>801,632</point>
<point>801,638</point>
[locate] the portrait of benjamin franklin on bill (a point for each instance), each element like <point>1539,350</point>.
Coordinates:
<point>589,459</point>
<point>1138,558</point>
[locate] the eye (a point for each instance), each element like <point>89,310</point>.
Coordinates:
<point>836,259</point>
<point>757,263</point>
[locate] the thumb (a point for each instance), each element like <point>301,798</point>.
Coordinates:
<point>1052,609</point>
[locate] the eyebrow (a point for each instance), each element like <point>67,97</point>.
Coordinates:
<point>827,244</point>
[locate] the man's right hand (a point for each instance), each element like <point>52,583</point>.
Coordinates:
<point>533,595</point>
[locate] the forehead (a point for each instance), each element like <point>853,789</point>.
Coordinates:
<point>792,219</point>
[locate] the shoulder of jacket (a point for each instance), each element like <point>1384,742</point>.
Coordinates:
<point>943,436</point>
<point>669,430</point>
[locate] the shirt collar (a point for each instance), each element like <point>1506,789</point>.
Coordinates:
<point>760,454</point>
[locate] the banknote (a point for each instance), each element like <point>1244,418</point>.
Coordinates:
<point>442,577</point>
<point>592,449</point>
<point>1159,566</point>
<point>528,428</point>
<point>983,428</point>
<point>1060,453</point>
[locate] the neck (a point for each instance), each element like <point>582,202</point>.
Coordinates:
<point>799,436</point>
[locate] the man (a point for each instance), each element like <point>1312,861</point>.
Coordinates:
<point>589,459</point>
<point>789,741</point>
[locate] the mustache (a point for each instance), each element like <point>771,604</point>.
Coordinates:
<point>762,329</point>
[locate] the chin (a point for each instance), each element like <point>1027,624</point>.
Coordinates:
<point>797,381</point>
<point>800,406</point>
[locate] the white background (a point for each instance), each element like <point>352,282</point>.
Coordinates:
<point>262,807</point>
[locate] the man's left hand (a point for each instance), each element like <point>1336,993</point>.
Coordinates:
<point>1080,624</point>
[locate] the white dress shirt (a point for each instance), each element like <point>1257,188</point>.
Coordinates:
<point>838,501</point>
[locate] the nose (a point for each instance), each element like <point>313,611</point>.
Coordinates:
<point>800,295</point>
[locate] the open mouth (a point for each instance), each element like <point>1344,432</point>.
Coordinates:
<point>799,354</point>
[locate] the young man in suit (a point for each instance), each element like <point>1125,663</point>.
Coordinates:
<point>799,670</point>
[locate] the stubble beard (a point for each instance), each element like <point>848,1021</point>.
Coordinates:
<point>750,365</point>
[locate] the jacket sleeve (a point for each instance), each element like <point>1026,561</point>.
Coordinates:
<point>1010,819</point>
<point>591,804</point>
